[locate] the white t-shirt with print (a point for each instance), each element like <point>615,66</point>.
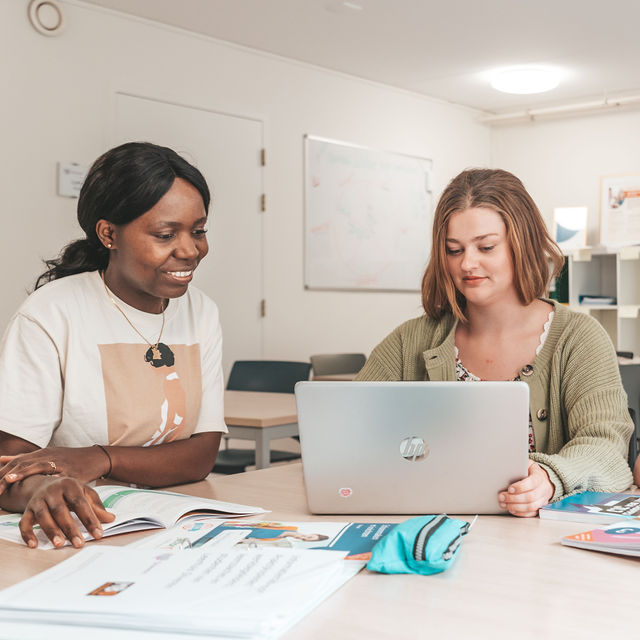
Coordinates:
<point>73,370</point>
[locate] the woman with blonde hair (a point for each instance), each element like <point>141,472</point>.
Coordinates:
<point>486,318</point>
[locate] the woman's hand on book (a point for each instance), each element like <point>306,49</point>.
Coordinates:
<point>85,464</point>
<point>52,502</point>
<point>525,497</point>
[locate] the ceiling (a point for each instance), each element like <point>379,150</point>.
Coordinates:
<point>438,48</point>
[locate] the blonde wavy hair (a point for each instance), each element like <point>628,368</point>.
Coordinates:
<point>536,257</point>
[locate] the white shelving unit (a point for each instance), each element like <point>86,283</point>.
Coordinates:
<point>616,274</point>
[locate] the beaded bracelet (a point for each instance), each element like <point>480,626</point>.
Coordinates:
<point>106,453</point>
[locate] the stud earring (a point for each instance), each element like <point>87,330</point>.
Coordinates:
<point>109,246</point>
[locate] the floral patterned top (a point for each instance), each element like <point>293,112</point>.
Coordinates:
<point>464,375</point>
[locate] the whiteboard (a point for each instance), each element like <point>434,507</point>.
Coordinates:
<point>368,216</point>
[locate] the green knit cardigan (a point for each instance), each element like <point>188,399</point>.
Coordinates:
<point>577,403</point>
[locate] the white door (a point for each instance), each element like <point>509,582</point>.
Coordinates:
<point>226,149</point>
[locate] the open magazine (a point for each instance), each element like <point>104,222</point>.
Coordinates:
<point>356,539</point>
<point>138,509</point>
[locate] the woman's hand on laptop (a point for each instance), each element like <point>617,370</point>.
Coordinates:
<point>525,497</point>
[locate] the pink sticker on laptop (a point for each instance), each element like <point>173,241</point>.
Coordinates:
<point>345,492</point>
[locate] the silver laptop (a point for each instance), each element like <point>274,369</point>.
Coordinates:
<point>411,447</point>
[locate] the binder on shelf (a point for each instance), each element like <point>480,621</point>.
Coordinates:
<point>628,311</point>
<point>629,253</point>
<point>581,255</point>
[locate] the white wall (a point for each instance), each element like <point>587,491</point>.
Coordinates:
<point>57,104</point>
<point>561,161</point>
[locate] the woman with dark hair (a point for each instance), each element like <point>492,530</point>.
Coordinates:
<point>114,351</point>
<point>486,319</point>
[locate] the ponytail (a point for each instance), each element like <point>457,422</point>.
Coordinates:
<point>77,257</point>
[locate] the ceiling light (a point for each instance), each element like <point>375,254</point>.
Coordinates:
<point>525,79</point>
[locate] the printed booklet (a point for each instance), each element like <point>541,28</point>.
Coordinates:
<point>594,507</point>
<point>195,593</point>
<point>137,510</point>
<point>356,539</point>
<point>620,537</point>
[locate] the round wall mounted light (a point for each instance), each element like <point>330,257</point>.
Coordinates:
<point>46,17</point>
<point>525,79</point>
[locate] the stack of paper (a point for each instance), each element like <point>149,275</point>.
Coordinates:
<point>243,593</point>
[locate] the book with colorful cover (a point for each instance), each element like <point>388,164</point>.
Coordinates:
<point>136,510</point>
<point>620,537</point>
<point>595,507</point>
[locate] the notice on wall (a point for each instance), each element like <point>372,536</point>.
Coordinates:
<point>71,177</point>
<point>620,210</point>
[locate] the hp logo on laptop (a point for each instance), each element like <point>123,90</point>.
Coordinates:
<point>413,448</point>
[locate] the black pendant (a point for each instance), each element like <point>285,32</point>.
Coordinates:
<point>160,355</point>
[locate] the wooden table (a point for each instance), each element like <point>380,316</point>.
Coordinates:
<point>259,416</point>
<point>512,578</point>
<point>343,377</point>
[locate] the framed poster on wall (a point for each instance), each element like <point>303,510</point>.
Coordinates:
<point>368,216</point>
<point>620,210</point>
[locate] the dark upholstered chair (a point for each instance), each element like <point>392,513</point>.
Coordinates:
<point>275,376</point>
<point>337,363</point>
